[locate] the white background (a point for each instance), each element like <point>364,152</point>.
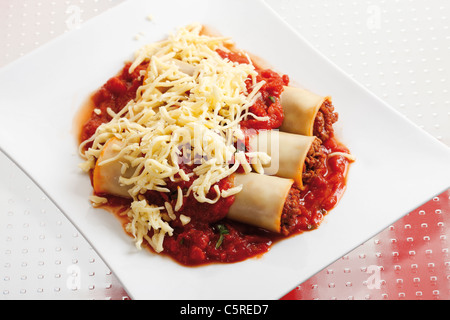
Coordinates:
<point>398,49</point>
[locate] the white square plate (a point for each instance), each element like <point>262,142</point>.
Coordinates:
<point>398,166</point>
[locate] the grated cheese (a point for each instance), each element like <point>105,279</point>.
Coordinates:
<point>350,157</point>
<point>98,201</point>
<point>188,109</point>
<point>185,219</point>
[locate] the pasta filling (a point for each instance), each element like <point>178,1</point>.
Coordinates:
<point>323,123</point>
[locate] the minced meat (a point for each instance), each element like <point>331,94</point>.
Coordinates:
<point>323,124</point>
<point>314,160</point>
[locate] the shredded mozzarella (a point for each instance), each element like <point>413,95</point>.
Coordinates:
<point>350,157</point>
<point>98,201</point>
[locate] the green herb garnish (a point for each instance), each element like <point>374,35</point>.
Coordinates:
<point>272,98</point>
<point>222,231</point>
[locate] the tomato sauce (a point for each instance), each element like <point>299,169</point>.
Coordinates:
<point>210,237</point>
<point>114,94</point>
<point>268,105</point>
<point>307,207</point>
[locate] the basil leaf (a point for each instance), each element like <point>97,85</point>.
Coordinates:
<point>222,231</point>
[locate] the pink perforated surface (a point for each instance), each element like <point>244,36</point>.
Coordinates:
<point>408,260</point>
